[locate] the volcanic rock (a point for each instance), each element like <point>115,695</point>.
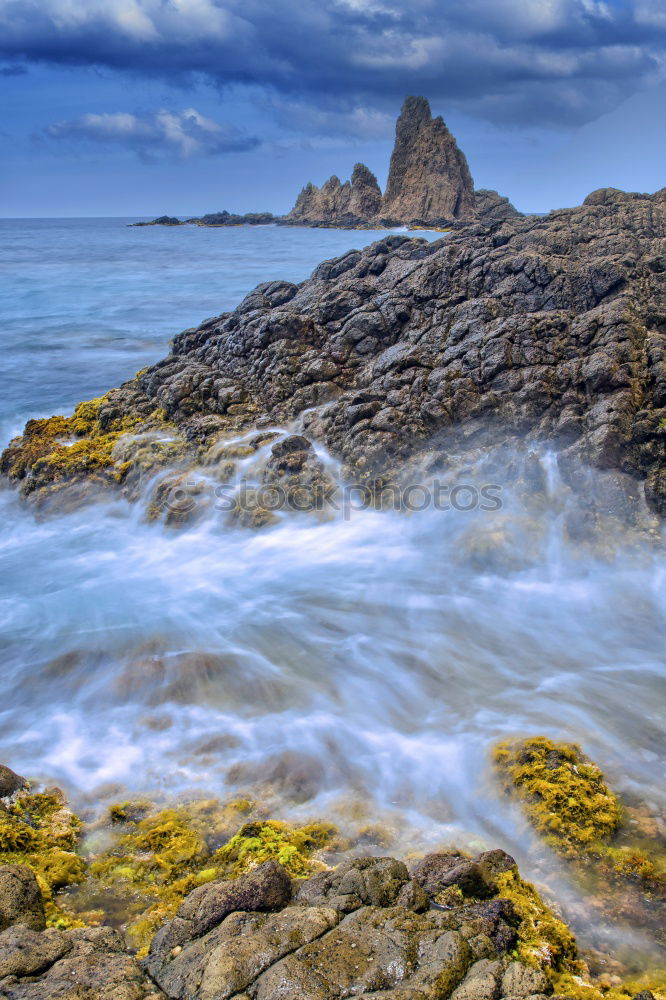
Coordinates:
<point>338,204</point>
<point>539,329</point>
<point>429,180</point>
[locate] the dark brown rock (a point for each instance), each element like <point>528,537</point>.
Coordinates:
<point>267,887</point>
<point>492,207</point>
<point>10,782</point>
<point>20,898</point>
<point>431,870</point>
<point>82,964</point>
<point>361,881</point>
<point>539,329</point>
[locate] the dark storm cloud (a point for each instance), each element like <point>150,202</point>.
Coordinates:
<point>156,134</point>
<point>13,70</point>
<point>517,61</point>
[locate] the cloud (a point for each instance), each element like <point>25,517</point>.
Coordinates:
<point>537,62</point>
<point>352,122</point>
<point>183,134</point>
<point>13,70</point>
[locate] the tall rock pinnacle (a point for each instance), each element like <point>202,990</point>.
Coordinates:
<point>429,179</point>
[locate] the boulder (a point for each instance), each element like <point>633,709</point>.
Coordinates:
<point>10,782</point>
<point>20,898</point>
<point>81,964</point>
<point>267,887</point>
<point>492,207</point>
<point>523,981</point>
<point>349,931</point>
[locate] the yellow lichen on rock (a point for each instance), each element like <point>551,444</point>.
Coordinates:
<point>39,831</point>
<point>56,450</point>
<point>544,940</point>
<point>293,847</point>
<point>158,858</point>
<point>563,794</point>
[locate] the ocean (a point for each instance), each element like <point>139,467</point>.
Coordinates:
<point>359,667</point>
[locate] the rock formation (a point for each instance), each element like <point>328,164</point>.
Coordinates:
<point>363,927</point>
<point>549,328</point>
<point>429,184</point>
<point>429,180</point>
<point>335,203</point>
<point>352,930</point>
<point>492,207</point>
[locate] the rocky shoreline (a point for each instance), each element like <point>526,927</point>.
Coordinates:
<point>208,900</point>
<point>408,357</point>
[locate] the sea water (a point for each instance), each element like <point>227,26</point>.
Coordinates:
<point>364,663</point>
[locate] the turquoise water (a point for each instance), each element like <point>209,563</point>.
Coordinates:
<point>363,665</point>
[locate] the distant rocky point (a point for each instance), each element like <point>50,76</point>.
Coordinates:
<point>429,186</point>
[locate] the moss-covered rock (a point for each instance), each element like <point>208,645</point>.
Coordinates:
<point>567,801</point>
<point>160,857</point>
<point>39,830</point>
<point>543,939</point>
<point>56,451</point>
<point>293,847</point>
<point>563,793</point>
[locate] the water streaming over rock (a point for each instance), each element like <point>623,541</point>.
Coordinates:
<point>355,666</point>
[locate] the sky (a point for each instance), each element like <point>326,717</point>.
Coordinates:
<point>146,107</point>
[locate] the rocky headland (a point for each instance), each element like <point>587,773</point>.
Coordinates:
<point>429,186</point>
<point>404,356</point>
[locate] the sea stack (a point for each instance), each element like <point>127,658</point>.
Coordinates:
<point>429,179</point>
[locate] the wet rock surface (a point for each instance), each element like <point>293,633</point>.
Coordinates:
<point>81,964</point>
<point>10,782</point>
<point>20,899</point>
<point>352,930</point>
<point>551,328</point>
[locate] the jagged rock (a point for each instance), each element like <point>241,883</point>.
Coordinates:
<point>366,195</point>
<point>540,329</point>
<point>346,932</point>
<point>10,782</point>
<point>339,204</point>
<point>82,964</point>
<point>475,877</point>
<point>362,881</point>
<point>20,898</point>
<point>429,179</point>
<point>492,207</point>
<point>432,871</point>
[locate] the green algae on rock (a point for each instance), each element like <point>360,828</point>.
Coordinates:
<point>39,831</point>
<point>563,794</point>
<point>566,799</point>
<point>54,452</point>
<point>543,939</point>
<point>160,857</point>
